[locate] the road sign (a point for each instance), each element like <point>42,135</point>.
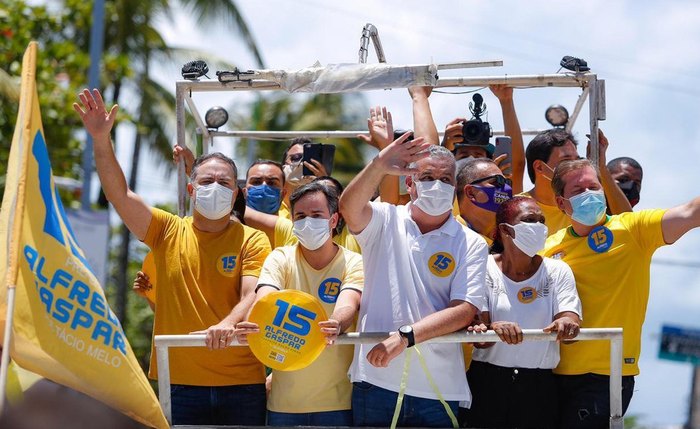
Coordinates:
<point>680,344</point>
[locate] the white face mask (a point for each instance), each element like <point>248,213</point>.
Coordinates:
<point>293,174</point>
<point>213,201</point>
<point>434,197</point>
<point>529,237</point>
<point>312,232</point>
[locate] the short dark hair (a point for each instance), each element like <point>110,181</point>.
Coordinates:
<point>558,182</point>
<point>506,212</point>
<point>239,205</point>
<point>296,141</point>
<point>265,162</point>
<point>616,163</point>
<point>214,155</point>
<point>467,174</point>
<point>339,186</point>
<point>311,188</point>
<point>540,148</point>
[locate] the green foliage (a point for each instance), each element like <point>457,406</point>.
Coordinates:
<point>61,65</point>
<point>634,422</point>
<point>319,112</point>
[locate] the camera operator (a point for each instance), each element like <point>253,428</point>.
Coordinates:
<point>455,131</point>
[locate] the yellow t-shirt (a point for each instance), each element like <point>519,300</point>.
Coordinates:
<point>613,285</point>
<point>199,277</point>
<point>554,218</point>
<point>324,385</point>
<point>285,237</point>
<point>284,211</point>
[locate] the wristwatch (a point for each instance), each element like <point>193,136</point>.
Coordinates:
<point>406,331</point>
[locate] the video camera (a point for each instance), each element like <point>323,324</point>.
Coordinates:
<point>475,131</point>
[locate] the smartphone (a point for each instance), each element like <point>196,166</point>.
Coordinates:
<point>504,145</point>
<point>323,153</point>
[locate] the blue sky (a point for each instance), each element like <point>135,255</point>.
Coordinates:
<point>643,49</point>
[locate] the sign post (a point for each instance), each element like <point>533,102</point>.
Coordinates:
<point>683,345</point>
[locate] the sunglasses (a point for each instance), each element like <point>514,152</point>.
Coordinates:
<point>497,180</point>
<point>295,157</point>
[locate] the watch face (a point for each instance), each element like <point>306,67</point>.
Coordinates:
<point>406,329</point>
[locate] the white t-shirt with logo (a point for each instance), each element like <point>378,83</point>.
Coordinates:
<point>532,304</point>
<point>408,276</point>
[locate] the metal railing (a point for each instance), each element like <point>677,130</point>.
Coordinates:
<point>589,82</point>
<point>614,335</point>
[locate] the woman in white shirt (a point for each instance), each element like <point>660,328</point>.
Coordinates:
<point>512,384</point>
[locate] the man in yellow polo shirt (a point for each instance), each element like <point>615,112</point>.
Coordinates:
<point>610,257</point>
<point>207,268</point>
<point>318,395</point>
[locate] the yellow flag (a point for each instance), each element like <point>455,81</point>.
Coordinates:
<point>63,327</point>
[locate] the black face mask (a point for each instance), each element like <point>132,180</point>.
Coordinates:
<point>631,191</point>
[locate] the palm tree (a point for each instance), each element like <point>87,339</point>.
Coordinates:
<point>131,34</point>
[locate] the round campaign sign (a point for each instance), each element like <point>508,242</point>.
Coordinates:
<point>289,337</point>
<point>600,239</point>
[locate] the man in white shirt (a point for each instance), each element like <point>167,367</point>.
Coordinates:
<point>424,277</point>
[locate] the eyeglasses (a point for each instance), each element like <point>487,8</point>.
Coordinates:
<point>295,157</point>
<point>497,180</point>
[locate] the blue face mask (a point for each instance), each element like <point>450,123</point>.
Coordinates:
<point>264,198</point>
<point>588,207</point>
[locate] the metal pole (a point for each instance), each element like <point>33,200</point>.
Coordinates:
<point>557,80</point>
<point>694,408</point>
<point>593,107</point>
<point>616,420</point>
<point>287,135</point>
<point>96,44</point>
<point>180,92</point>
<point>5,360</point>
<point>163,360</point>
<point>164,342</point>
<point>577,109</point>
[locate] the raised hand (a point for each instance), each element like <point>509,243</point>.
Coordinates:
<point>97,121</point>
<point>453,133</point>
<point>317,169</point>
<point>186,154</point>
<point>381,128</point>
<point>502,91</point>
<point>602,149</point>
<point>420,91</point>
<point>395,158</point>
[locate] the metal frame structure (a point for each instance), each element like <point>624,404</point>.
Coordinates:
<point>614,335</point>
<point>593,89</point>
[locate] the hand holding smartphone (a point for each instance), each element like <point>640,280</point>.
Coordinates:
<point>504,145</point>
<point>323,153</point>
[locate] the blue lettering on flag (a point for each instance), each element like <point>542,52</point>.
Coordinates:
<point>52,201</point>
